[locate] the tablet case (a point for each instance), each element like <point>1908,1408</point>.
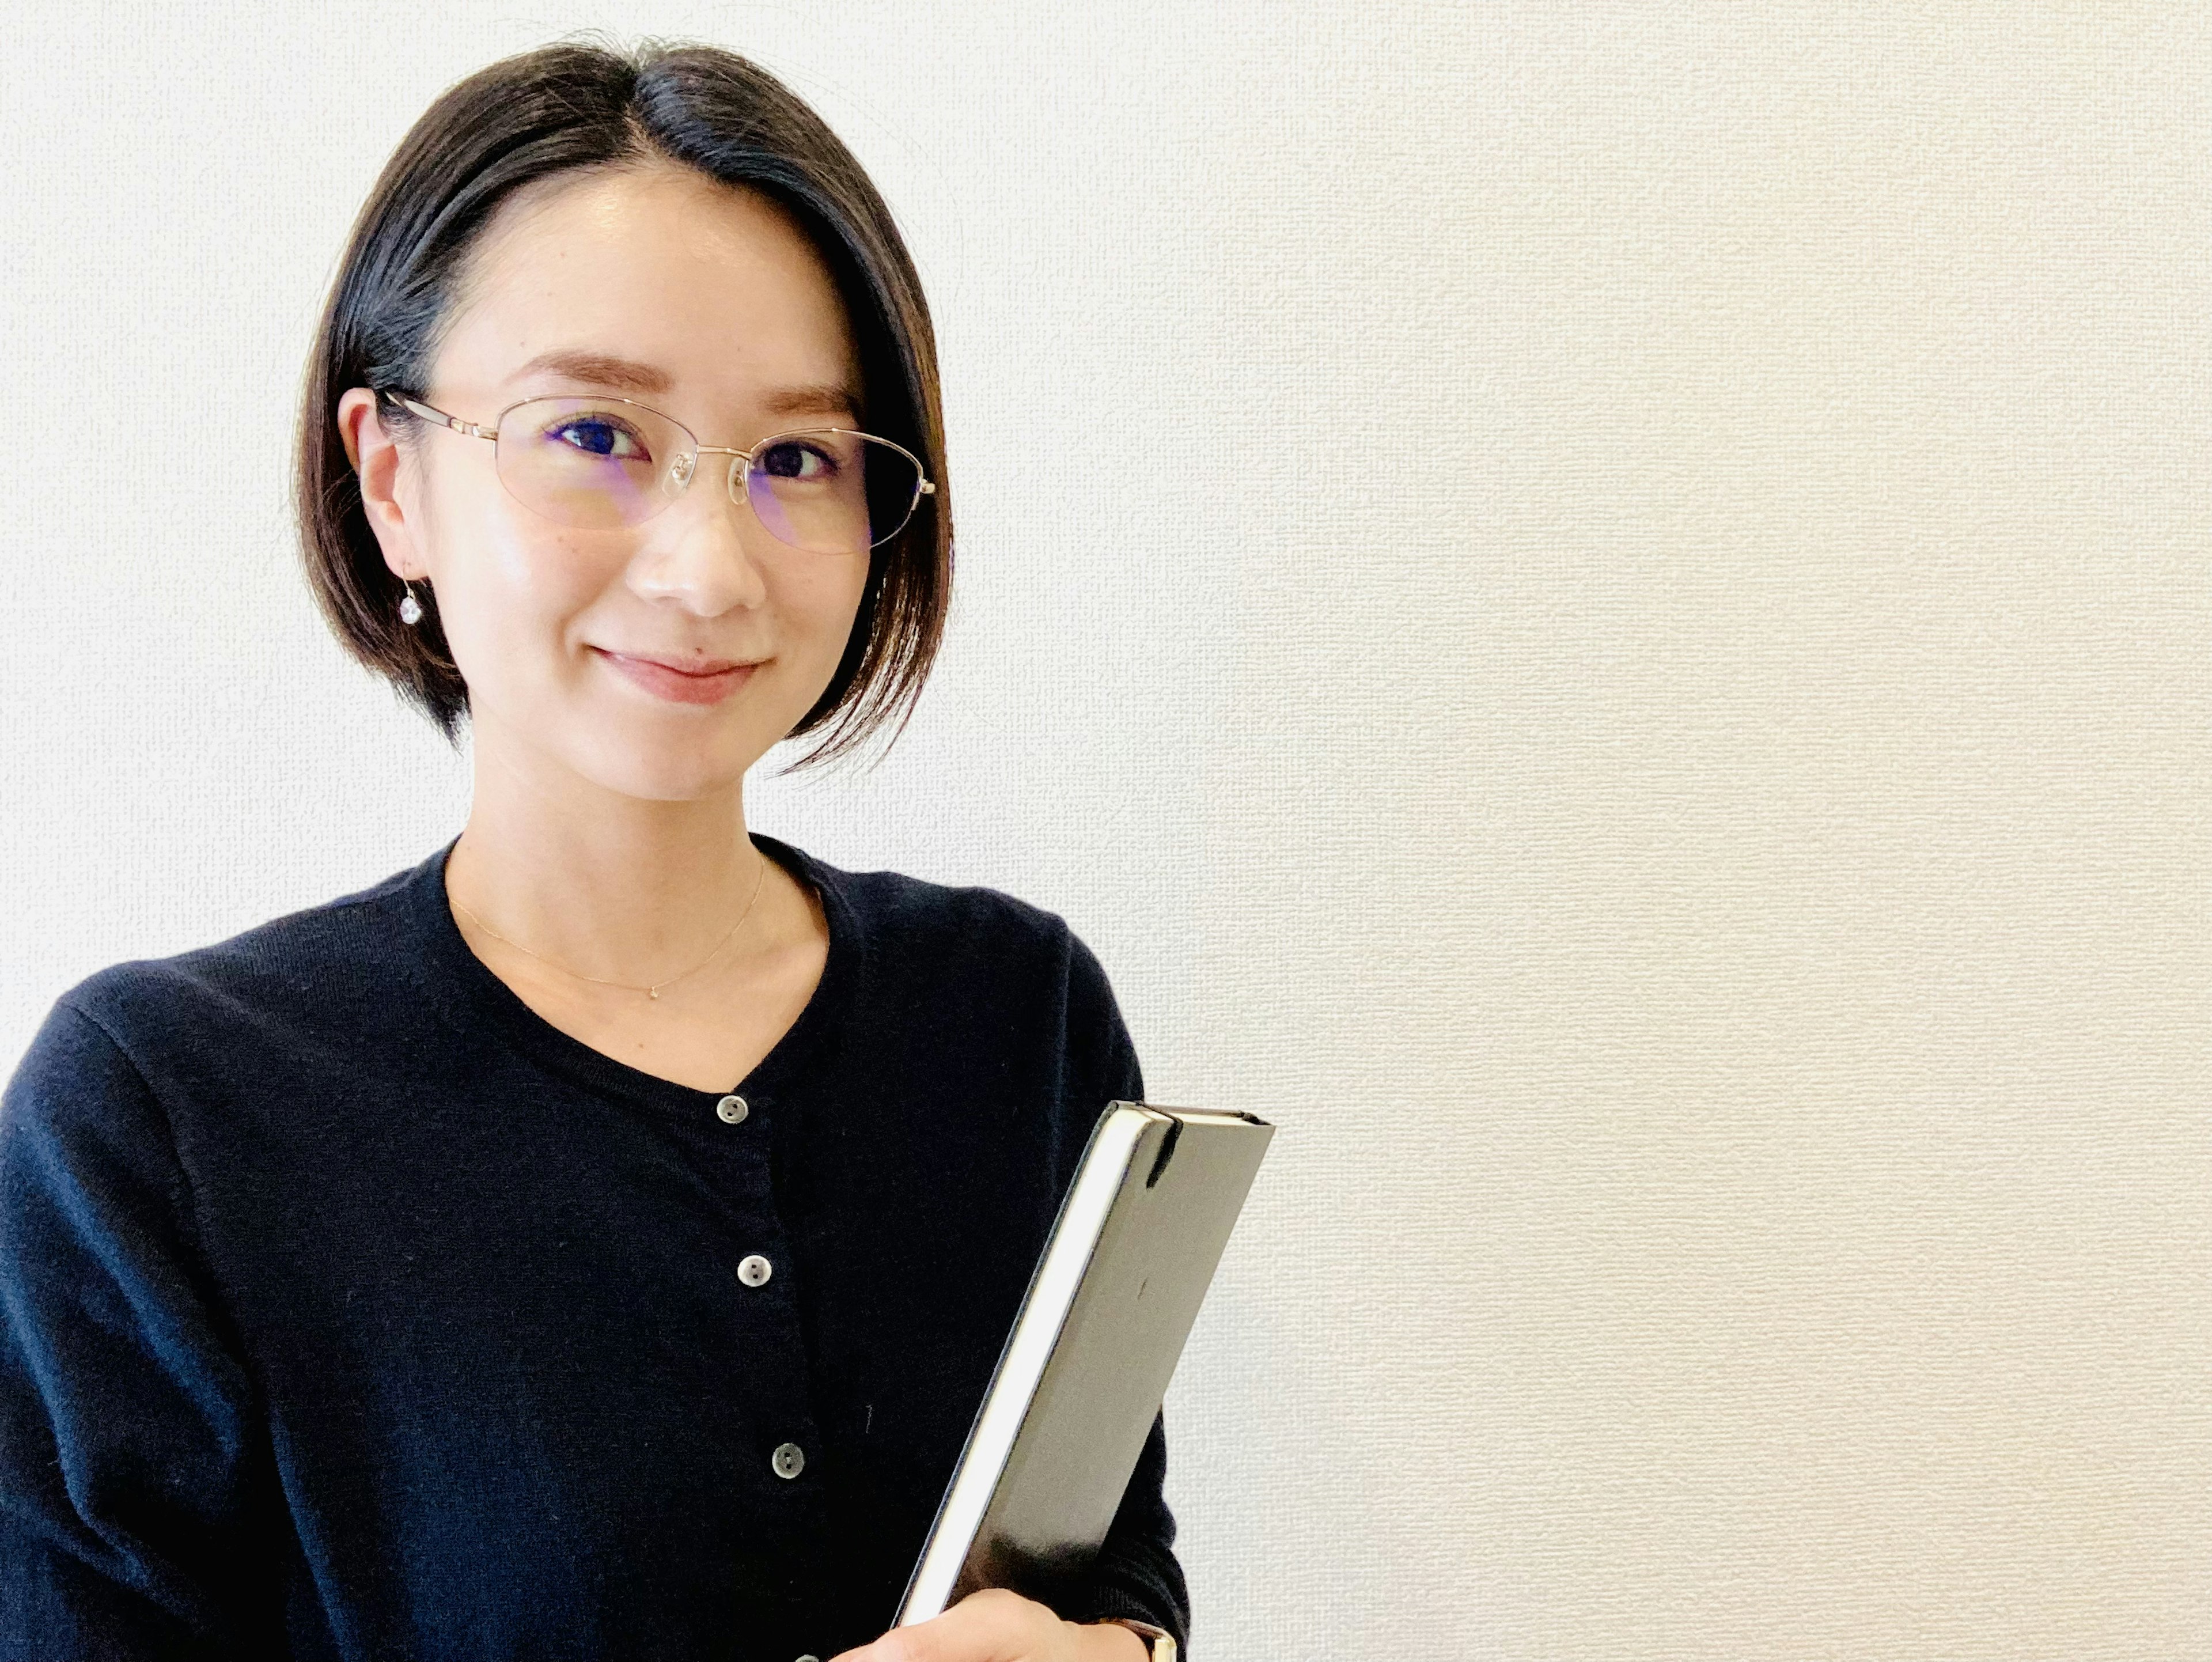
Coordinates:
<point>1086,1365</point>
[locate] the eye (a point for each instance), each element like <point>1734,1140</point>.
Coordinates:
<point>597,435</point>
<point>797,458</point>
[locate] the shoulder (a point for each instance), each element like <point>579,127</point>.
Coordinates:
<point>311,968</point>
<point>975,943</point>
<point>964,920</point>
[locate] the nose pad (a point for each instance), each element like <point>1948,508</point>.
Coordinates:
<point>739,484</point>
<point>679,471</point>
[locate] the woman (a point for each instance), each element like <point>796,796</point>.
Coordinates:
<point>594,1240</point>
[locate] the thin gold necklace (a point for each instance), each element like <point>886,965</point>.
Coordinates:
<point>652,991</point>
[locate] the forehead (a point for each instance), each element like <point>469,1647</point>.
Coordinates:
<point>717,287</point>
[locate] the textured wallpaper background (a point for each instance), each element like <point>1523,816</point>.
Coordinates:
<point>1601,611</point>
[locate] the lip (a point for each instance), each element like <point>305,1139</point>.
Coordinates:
<point>708,681</point>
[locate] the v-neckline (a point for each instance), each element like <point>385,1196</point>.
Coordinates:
<point>464,991</point>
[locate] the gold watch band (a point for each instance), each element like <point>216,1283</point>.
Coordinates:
<point>1161,1641</point>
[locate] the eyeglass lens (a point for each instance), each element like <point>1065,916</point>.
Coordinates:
<point>601,465</point>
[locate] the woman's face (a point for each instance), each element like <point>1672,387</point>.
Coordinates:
<point>707,304</point>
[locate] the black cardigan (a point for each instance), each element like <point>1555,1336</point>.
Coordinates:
<point>350,1309</point>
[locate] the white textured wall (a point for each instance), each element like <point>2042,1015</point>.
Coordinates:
<point>1601,611</point>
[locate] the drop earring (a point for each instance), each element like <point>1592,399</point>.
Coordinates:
<point>411,609</point>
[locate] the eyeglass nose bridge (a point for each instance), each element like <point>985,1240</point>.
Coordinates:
<point>740,460</point>
<point>686,463</point>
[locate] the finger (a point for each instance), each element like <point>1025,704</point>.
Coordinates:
<point>925,1641</point>
<point>991,1625</point>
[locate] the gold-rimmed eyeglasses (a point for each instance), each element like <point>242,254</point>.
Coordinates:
<point>605,463</point>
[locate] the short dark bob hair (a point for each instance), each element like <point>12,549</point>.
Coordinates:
<point>582,104</point>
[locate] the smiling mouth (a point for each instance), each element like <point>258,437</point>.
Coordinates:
<point>699,667</point>
<point>707,682</point>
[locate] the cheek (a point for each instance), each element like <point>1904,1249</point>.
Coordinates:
<point>510,581</point>
<point>824,598</point>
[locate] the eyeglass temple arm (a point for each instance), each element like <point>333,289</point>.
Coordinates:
<point>472,429</point>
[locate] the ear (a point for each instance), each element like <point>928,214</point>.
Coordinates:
<point>386,498</point>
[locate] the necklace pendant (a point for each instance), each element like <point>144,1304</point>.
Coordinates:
<point>653,992</point>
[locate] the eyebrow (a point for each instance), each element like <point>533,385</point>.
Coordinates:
<point>628,375</point>
<point>817,400</point>
<point>599,369</point>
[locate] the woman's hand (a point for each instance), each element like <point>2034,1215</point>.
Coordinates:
<point>994,1625</point>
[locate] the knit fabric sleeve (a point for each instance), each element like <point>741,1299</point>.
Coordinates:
<point>126,1418</point>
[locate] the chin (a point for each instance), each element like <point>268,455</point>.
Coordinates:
<point>664,768</point>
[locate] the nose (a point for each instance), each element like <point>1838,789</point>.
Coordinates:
<point>706,551</point>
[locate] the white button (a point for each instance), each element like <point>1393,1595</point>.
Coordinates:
<point>755,1271</point>
<point>789,1460</point>
<point>732,1110</point>
<point>809,1657</point>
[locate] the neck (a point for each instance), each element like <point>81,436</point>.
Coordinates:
<point>607,884</point>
